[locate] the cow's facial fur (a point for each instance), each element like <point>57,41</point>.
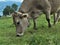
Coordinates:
<point>21,22</point>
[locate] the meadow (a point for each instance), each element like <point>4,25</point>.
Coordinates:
<point>42,36</point>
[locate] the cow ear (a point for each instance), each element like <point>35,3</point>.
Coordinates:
<point>24,15</point>
<point>14,14</point>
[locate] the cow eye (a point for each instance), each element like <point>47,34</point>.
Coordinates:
<point>20,17</point>
<point>33,12</point>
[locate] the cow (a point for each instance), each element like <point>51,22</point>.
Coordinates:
<point>32,8</point>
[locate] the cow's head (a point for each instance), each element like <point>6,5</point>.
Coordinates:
<point>21,22</point>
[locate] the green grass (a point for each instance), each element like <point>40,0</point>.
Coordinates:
<point>42,36</point>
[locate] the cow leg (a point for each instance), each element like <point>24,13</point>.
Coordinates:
<point>34,22</point>
<point>55,18</point>
<point>48,18</point>
<point>58,16</point>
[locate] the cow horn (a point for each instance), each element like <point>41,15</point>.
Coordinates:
<point>19,12</point>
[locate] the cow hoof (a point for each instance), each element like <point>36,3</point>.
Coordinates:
<point>35,28</point>
<point>49,26</point>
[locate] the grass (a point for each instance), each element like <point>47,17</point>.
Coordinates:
<point>42,36</point>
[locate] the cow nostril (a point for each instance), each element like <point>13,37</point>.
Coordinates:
<point>18,23</point>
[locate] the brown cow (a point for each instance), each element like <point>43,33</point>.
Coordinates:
<point>33,8</point>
